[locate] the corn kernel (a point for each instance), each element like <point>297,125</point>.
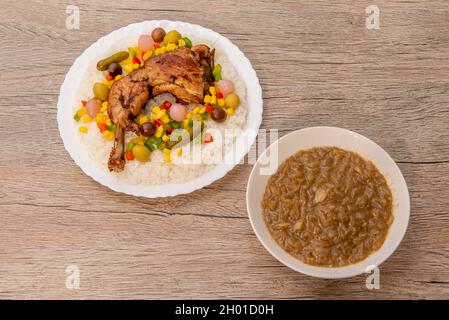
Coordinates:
<point>230,111</point>
<point>87,119</point>
<point>171,47</point>
<point>160,114</point>
<point>156,109</point>
<point>195,110</point>
<point>136,66</point>
<point>189,116</point>
<point>207,98</point>
<point>160,50</point>
<point>118,77</point>
<point>185,123</point>
<point>212,91</point>
<point>147,55</point>
<point>213,100</point>
<point>197,117</point>
<point>179,152</point>
<point>108,122</point>
<point>181,43</point>
<point>165,138</point>
<point>221,102</point>
<point>100,118</point>
<point>143,119</point>
<point>109,135</point>
<point>104,106</point>
<point>165,119</point>
<point>83,129</point>
<point>166,151</point>
<point>159,131</point>
<point>128,68</point>
<point>81,112</point>
<point>167,158</point>
<point>202,110</point>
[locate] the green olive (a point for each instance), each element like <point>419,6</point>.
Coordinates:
<point>232,100</point>
<point>172,36</point>
<point>141,153</point>
<point>101,91</point>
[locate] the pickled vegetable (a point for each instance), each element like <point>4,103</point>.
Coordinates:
<point>232,100</point>
<point>101,91</point>
<point>141,153</point>
<point>158,34</point>
<point>226,87</point>
<point>172,37</point>
<point>114,69</point>
<point>188,42</point>
<point>92,107</point>
<point>178,112</point>
<point>218,115</point>
<point>145,42</point>
<point>116,57</point>
<point>148,129</point>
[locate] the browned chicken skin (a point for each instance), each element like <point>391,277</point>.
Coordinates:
<point>185,73</point>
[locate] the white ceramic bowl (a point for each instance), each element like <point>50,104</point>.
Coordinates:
<point>123,38</point>
<point>345,139</point>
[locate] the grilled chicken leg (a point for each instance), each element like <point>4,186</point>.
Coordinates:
<point>186,73</point>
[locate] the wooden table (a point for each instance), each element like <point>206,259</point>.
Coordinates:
<point>318,65</point>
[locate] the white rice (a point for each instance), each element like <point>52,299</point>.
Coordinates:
<point>181,169</point>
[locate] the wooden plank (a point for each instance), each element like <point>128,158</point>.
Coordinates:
<point>318,65</point>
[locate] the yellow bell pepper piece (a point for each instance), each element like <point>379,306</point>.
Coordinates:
<point>181,43</point>
<point>100,118</point>
<point>83,129</point>
<point>159,131</point>
<point>81,112</point>
<point>143,119</point>
<point>104,106</point>
<point>109,135</point>
<point>147,55</point>
<point>87,119</point>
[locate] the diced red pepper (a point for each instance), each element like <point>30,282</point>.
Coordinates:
<point>166,105</point>
<point>208,138</point>
<point>219,95</point>
<point>136,60</point>
<point>84,102</point>
<point>158,122</point>
<point>102,127</point>
<point>129,155</point>
<point>169,130</point>
<point>109,77</point>
<point>209,108</point>
<point>156,45</point>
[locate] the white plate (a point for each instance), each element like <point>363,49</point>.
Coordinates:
<point>121,39</point>
<point>345,139</point>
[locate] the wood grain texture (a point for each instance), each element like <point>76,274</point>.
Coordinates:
<point>318,65</point>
